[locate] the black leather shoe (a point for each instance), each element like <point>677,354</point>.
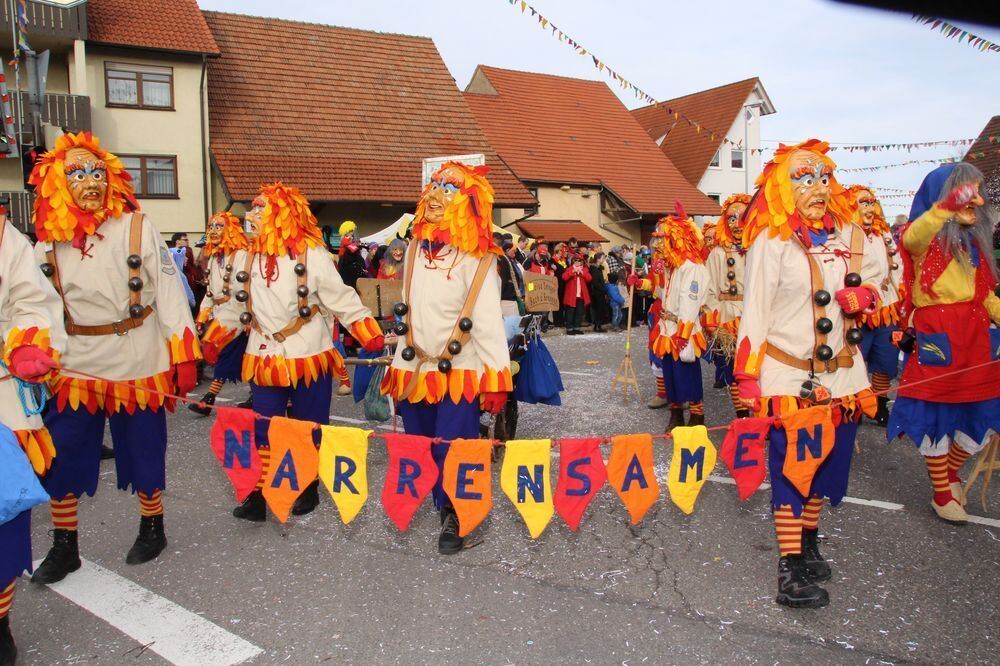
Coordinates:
<point>795,590</point>
<point>696,420</point>
<point>8,651</point>
<point>817,568</point>
<point>308,500</point>
<point>150,542</point>
<point>205,406</point>
<point>676,418</point>
<point>449,542</point>
<point>719,384</point>
<point>254,508</point>
<point>63,558</point>
<point>742,413</point>
<point>246,404</point>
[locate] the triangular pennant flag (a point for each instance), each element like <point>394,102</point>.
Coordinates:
<point>581,475</point>
<point>233,442</point>
<point>692,462</point>
<point>525,479</point>
<point>810,441</point>
<point>468,480</point>
<point>631,473</point>
<point>343,468</point>
<point>409,477</point>
<point>743,451</point>
<point>293,465</point>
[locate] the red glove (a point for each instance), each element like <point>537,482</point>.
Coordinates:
<point>30,363</point>
<point>959,197</point>
<point>678,343</point>
<point>853,300</point>
<point>187,377</point>
<point>211,352</point>
<point>494,402</point>
<point>376,344</point>
<point>749,390</point>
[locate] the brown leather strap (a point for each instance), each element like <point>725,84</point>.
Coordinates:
<point>730,297</point>
<point>135,247</point>
<point>669,316</point>
<point>844,359</point>
<point>120,327</point>
<point>296,324</point>
<point>857,249</point>
<point>3,228</point>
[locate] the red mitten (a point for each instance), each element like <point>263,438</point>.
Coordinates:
<point>211,352</point>
<point>186,377</point>
<point>30,363</point>
<point>376,344</point>
<point>749,390</point>
<point>494,402</point>
<point>853,300</point>
<point>959,197</point>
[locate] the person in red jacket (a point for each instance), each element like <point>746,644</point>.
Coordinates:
<point>576,297</point>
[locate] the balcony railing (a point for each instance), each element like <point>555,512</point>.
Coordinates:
<point>70,112</point>
<point>48,21</point>
<point>19,210</point>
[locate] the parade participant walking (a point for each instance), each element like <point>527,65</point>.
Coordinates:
<point>128,321</point>
<point>950,277</point>
<point>452,355</point>
<point>576,294</point>
<point>223,338</point>
<point>806,276</point>
<point>724,297</point>
<point>286,280</point>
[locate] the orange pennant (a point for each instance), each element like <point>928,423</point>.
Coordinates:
<point>810,440</point>
<point>294,463</point>
<point>468,480</point>
<point>631,474</point>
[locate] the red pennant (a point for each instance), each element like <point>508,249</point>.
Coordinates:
<point>581,475</point>
<point>232,441</point>
<point>409,477</point>
<point>294,463</point>
<point>744,451</point>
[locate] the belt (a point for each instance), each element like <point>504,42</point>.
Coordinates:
<point>731,297</point>
<point>844,359</point>
<point>669,316</point>
<point>115,328</point>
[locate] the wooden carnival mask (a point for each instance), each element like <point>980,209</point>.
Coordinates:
<point>86,179</point>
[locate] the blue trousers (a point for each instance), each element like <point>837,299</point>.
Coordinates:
<point>879,353</point>
<point>15,547</point>
<point>683,380</point>
<point>229,367</point>
<point>309,403</point>
<point>831,477</point>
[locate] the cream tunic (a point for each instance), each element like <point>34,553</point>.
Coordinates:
<point>718,283</point>
<point>226,314</point>
<point>877,246</point>
<point>685,294</point>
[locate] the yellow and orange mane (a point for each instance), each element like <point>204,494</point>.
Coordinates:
<point>682,240</point>
<point>773,205</point>
<point>287,226</point>
<point>233,237</point>
<point>57,217</point>
<point>723,234</point>
<point>468,219</point>
<point>879,224</point>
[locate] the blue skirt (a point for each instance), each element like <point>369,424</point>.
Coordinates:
<point>831,477</point>
<point>878,351</point>
<point>229,367</point>
<point>683,380</point>
<point>15,547</point>
<point>932,425</point>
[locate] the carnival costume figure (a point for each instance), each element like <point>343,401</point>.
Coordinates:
<point>350,261</point>
<point>452,354</point>
<point>131,341</point>
<point>952,306</point>
<point>654,282</point>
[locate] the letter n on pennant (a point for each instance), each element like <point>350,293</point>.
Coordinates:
<point>810,440</point>
<point>233,443</point>
<point>525,479</point>
<point>343,468</point>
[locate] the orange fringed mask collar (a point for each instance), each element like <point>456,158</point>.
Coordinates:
<point>287,226</point>
<point>773,205</point>
<point>232,239</point>
<point>467,222</point>
<point>723,234</point>
<point>56,215</point>
<point>681,238</point>
<point>879,224</point>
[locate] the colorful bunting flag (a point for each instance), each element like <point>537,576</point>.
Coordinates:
<point>743,451</point>
<point>631,473</point>
<point>950,31</point>
<point>581,475</point>
<point>293,465</point>
<point>525,479</point>
<point>810,440</point>
<point>692,462</point>
<point>343,468</point>
<point>232,442</point>
<point>409,477</point>
<point>468,480</point>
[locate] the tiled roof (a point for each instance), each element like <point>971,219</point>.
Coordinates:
<point>989,164</point>
<point>560,230</point>
<point>715,110</point>
<point>168,25</point>
<point>562,130</point>
<point>344,114</point>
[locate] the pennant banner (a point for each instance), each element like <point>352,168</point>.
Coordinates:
<point>232,442</point>
<point>631,473</point>
<point>409,477</point>
<point>692,462</point>
<point>524,478</point>
<point>468,481</point>
<point>951,31</point>
<point>343,468</point>
<point>581,475</point>
<point>743,451</point>
<point>810,441</point>
<point>294,463</point>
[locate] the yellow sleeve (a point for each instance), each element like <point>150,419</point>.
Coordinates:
<point>992,304</point>
<point>921,232</point>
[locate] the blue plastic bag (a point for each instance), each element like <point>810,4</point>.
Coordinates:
<point>539,380</point>
<point>20,489</point>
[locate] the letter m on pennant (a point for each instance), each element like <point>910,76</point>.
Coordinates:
<point>692,459</point>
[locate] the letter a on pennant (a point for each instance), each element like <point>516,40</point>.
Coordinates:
<point>694,459</point>
<point>234,444</point>
<point>810,441</point>
<point>469,481</point>
<point>743,451</point>
<point>631,474</point>
<point>294,463</point>
<point>581,475</point>
<point>343,468</point>
<point>525,480</point>
<point>409,477</point>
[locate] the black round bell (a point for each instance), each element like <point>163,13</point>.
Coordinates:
<point>824,325</point>
<point>400,309</point>
<point>465,324</point>
<point>824,352</point>
<point>300,269</point>
<point>730,262</point>
<point>852,280</point>
<point>225,291</point>
<point>822,297</point>
<point>401,328</point>
<point>133,261</point>
<point>444,366</point>
<point>305,311</point>
<point>242,276</point>
<point>855,335</point>
<point>731,275</point>
<point>733,290</point>
<point>134,284</point>
<point>135,311</point>
<point>242,296</point>
<point>893,266</point>
<point>48,270</point>
<point>246,318</point>
<point>408,354</point>
<point>226,278</point>
<point>302,291</point>
<point>454,347</point>
<point>229,268</point>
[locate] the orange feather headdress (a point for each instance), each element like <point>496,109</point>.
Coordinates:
<point>681,238</point>
<point>723,234</point>
<point>287,226</point>
<point>468,219</point>
<point>233,237</point>
<point>57,217</point>
<point>879,224</point>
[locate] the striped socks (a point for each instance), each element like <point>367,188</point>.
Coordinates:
<point>151,505</point>
<point>265,463</point>
<point>215,387</point>
<point>956,458</point>
<point>880,383</point>
<point>734,397</point>
<point>937,469</point>
<point>697,408</point>
<point>789,530</point>
<point>64,513</point>
<point>661,387</point>
<point>810,513</point>
<point>7,599</point>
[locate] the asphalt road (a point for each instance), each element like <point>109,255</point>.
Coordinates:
<point>907,588</point>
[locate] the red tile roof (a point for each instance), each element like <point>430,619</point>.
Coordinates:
<point>715,110</point>
<point>989,163</point>
<point>344,114</point>
<point>562,130</point>
<point>560,230</point>
<point>167,25</point>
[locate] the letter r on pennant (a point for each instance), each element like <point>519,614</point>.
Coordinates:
<point>409,472</point>
<point>343,470</point>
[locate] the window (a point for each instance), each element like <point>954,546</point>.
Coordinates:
<point>736,158</point>
<point>139,86</point>
<point>717,198</point>
<point>715,160</point>
<point>154,177</point>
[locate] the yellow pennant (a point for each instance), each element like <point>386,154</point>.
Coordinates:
<point>693,461</point>
<point>525,479</point>
<point>343,468</point>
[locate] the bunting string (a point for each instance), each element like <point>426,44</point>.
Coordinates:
<point>951,31</point>
<point>882,147</point>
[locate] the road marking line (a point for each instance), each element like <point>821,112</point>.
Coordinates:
<point>992,522</point>
<point>892,506</point>
<point>171,631</point>
<point>576,374</point>
<point>347,419</point>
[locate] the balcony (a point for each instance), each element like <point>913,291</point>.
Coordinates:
<point>19,210</point>
<point>48,21</point>
<point>70,112</point>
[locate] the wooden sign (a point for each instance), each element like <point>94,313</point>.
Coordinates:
<point>541,292</point>
<point>380,296</point>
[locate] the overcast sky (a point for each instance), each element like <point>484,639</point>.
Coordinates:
<point>835,72</point>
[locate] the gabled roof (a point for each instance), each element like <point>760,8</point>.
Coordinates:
<point>715,110</point>
<point>163,25</point>
<point>560,230</point>
<point>989,163</point>
<point>344,114</point>
<point>563,130</point>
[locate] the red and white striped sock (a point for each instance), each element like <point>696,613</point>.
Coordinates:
<point>697,408</point>
<point>152,504</point>
<point>215,387</point>
<point>880,383</point>
<point>64,513</point>
<point>734,397</point>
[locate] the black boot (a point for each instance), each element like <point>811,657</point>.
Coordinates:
<point>254,508</point>
<point>696,420</point>
<point>676,418</point>
<point>308,500</point>
<point>150,542</point>
<point>107,453</point>
<point>205,406</point>
<point>449,542</point>
<point>816,567</point>
<point>62,560</point>
<point>795,590</point>
<point>882,414</point>
<point>246,404</point>
<point>8,651</point>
